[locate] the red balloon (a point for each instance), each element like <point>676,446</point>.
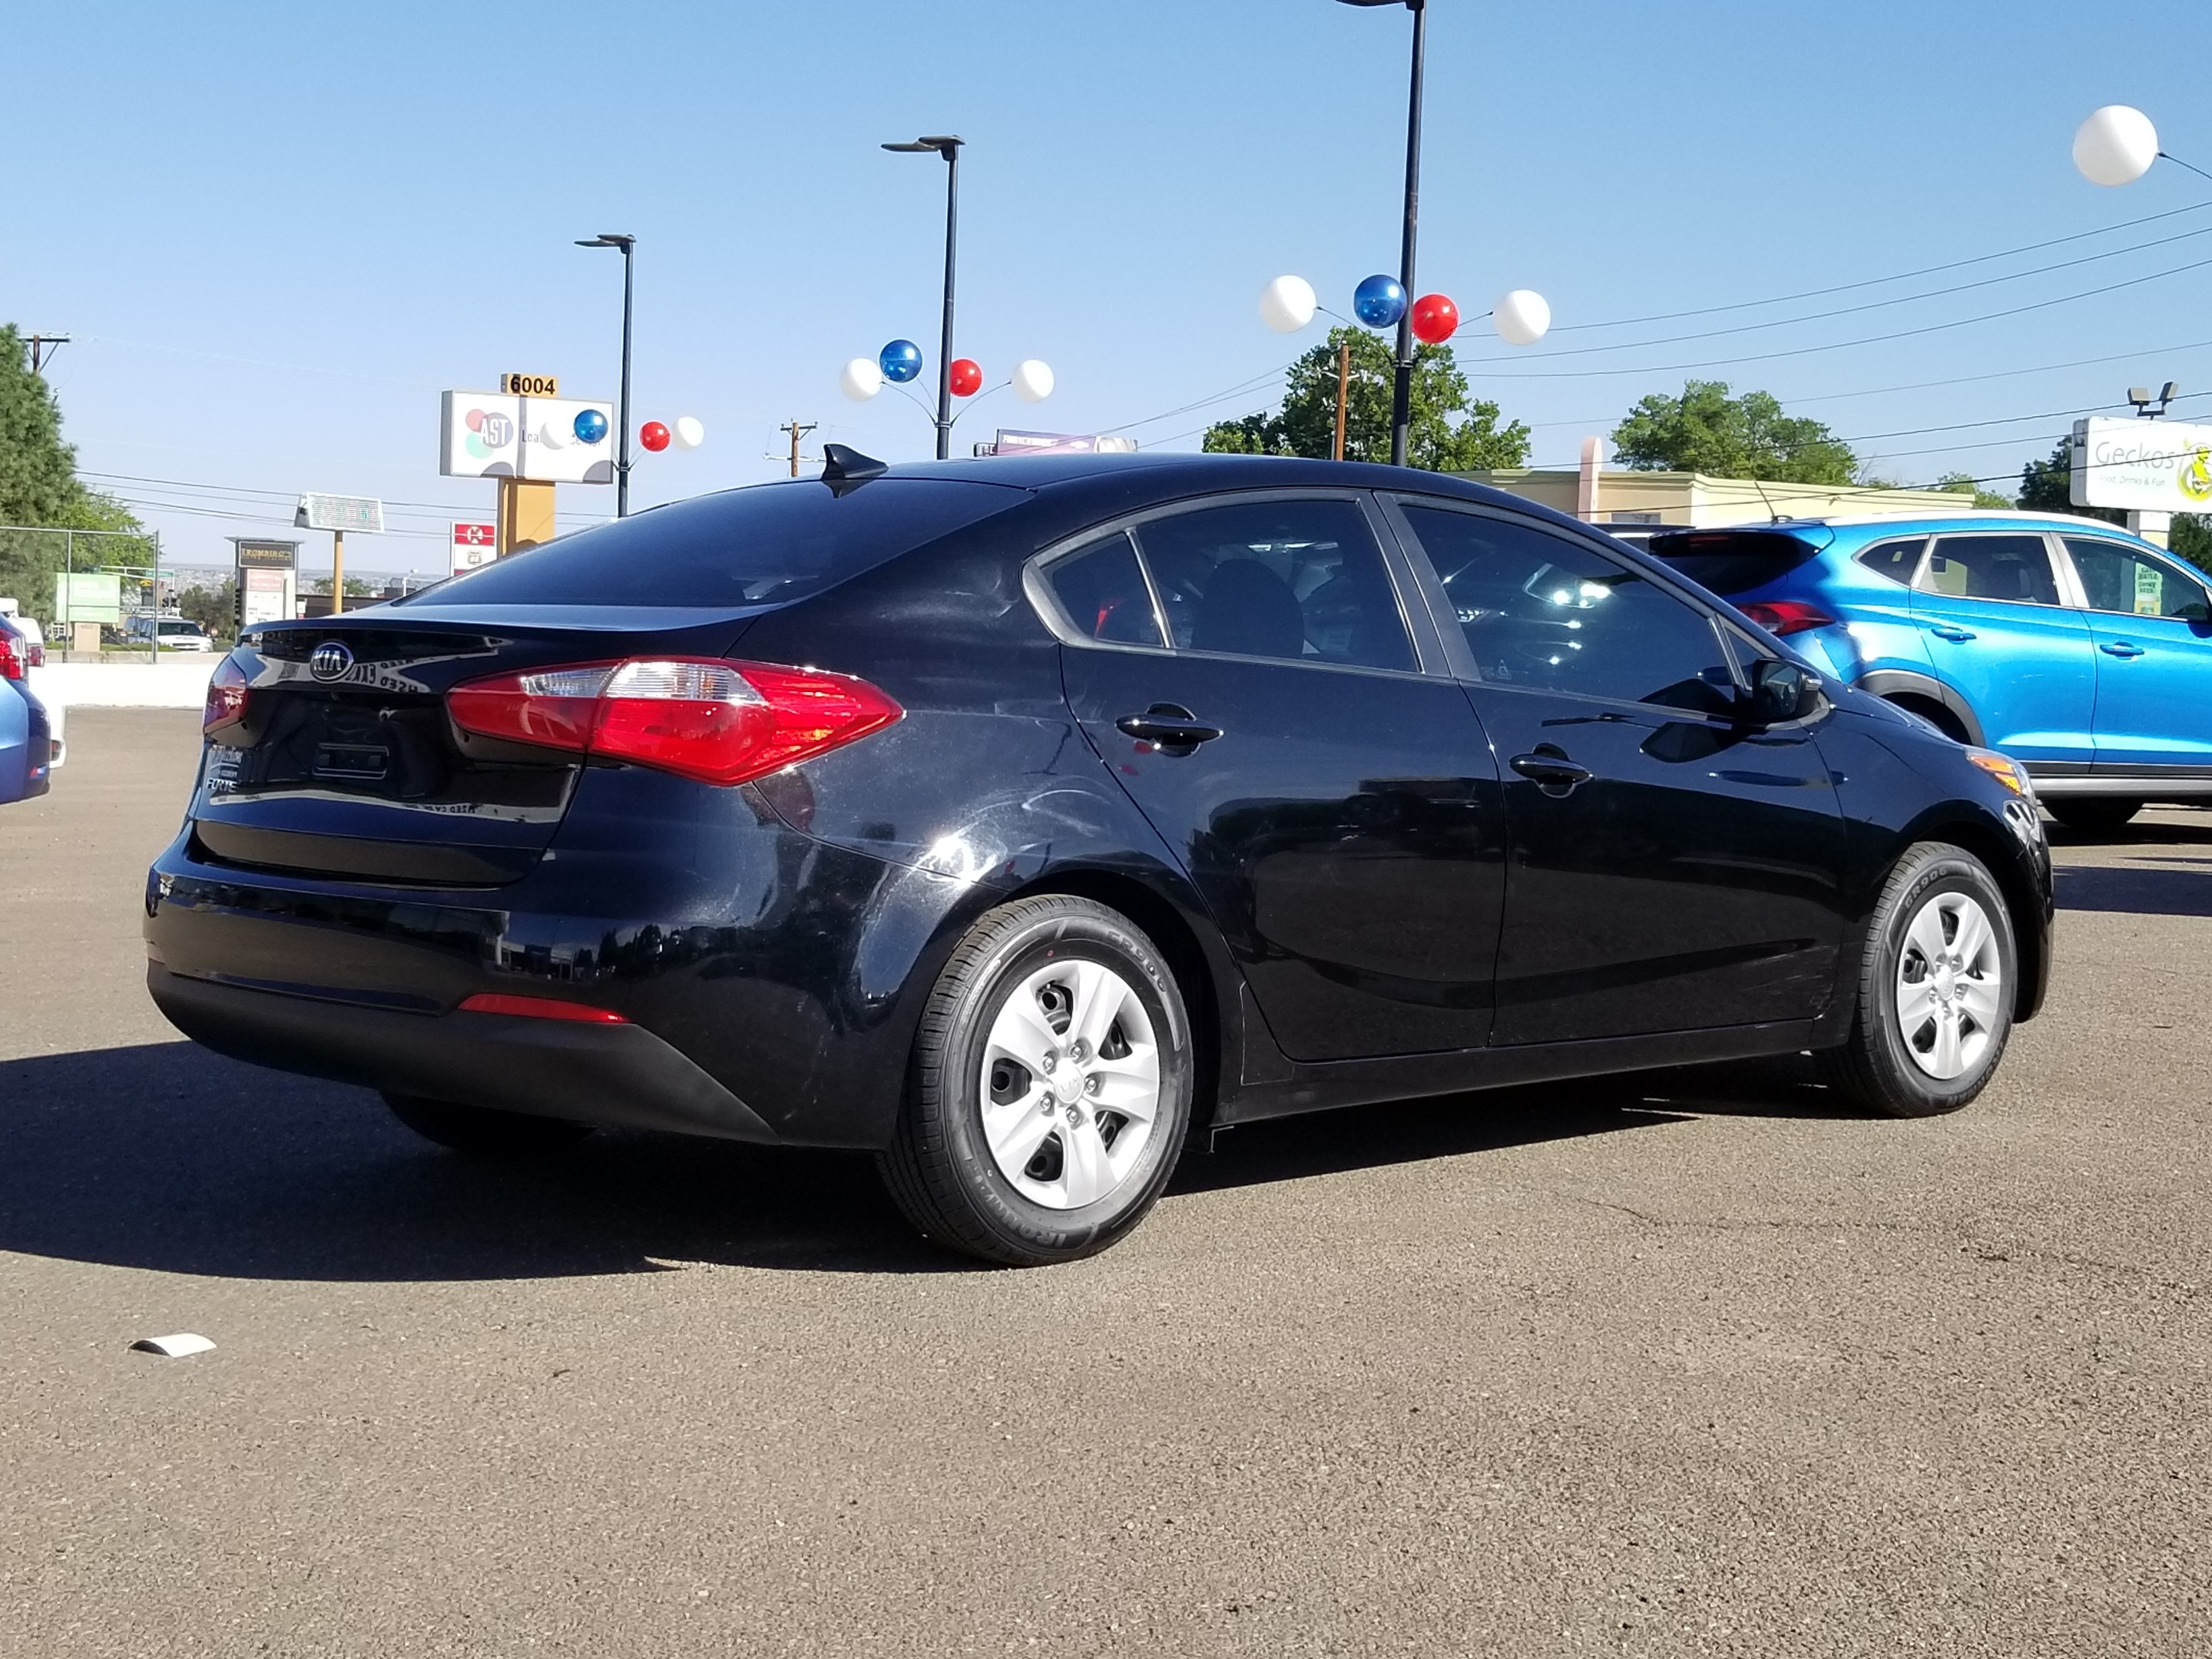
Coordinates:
<point>653,436</point>
<point>967,377</point>
<point>1436,319</point>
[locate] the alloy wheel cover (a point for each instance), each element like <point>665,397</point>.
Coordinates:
<point>1949,989</point>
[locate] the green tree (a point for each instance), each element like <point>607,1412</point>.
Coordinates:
<point>38,487</point>
<point>2044,487</point>
<point>215,609</point>
<point>1706,431</point>
<point>1966,484</point>
<point>1450,431</point>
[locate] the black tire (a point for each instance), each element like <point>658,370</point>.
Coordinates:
<point>938,1167</point>
<point>483,1132</point>
<point>1874,1068</point>
<point>2094,816</point>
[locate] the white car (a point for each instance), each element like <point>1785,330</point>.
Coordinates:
<point>177,634</point>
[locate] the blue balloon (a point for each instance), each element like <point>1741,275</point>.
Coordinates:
<point>1379,302</point>
<point>900,360</point>
<point>590,426</point>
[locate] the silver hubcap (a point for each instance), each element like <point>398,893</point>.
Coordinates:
<point>1071,1084</point>
<point>1950,987</point>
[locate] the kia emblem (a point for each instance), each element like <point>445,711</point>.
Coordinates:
<point>331,661</point>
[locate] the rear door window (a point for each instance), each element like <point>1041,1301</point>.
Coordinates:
<point>2116,578</point>
<point>2015,568</point>
<point>761,545</point>
<point>1298,580</point>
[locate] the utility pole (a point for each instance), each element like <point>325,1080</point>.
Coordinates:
<point>1343,387</point>
<point>44,346</point>
<point>797,432</point>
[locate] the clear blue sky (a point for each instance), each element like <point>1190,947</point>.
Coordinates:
<point>277,231</point>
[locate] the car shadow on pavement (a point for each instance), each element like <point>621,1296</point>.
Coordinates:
<point>2150,889</point>
<point>168,1158</point>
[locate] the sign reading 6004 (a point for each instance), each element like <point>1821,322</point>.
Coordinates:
<point>530,385</point>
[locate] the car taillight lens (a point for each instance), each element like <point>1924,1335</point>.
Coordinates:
<point>11,657</point>
<point>1783,617</point>
<point>226,697</point>
<point>720,722</point>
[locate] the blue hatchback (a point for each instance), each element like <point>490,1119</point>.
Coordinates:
<point>26,743</point>
<point>2079,649</point>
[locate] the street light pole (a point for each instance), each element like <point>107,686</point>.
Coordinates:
<point>1401,392</point>
<point>949,148</point>
<point>629,246</point>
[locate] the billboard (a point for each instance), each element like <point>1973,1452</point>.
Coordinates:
<point>2143,466</point>
<point>340,513</point>
<point>1058,443</point>
<point>487,435</point>
<point>94,596</point>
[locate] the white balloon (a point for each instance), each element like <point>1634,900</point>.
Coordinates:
<point>687,433</point>
<point>2115,146</point>
<point>863,378</point>
<point>1522,317</point>
<point>1287,303</point>
<point>1032,380</point>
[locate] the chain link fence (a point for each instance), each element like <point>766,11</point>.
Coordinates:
<point>58,577</point>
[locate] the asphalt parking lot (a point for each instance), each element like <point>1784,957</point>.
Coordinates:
<point>1682,1364</point>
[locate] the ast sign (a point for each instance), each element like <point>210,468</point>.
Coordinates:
<point>2143,466</point>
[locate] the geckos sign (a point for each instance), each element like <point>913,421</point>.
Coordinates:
<point>2143,466</point>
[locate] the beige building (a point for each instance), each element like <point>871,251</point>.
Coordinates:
<point>1609,495</point>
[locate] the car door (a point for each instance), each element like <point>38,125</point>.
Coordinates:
<point>1668,868</point>
<point>1256,687</point>
<point>2152,623</point>
<point>1999,634</point>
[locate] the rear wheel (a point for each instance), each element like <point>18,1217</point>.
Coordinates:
<point>483,1132</point>
<point>1051,1089</point>
<point>2095,817</point>
<point>1935,993</point>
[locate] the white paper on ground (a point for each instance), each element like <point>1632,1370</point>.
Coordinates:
<point>173,1347</point>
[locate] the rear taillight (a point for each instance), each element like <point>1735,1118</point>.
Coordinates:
<point>720,722</point>
<point>11,657</point>
<point>1781,616</point>
<point>490,1002</point>
<point>226,697</point>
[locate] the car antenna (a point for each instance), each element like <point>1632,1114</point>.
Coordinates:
<point>844,468</point>
<point>1773,517</point>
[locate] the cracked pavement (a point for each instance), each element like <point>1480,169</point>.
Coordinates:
<point>1686,1364</point>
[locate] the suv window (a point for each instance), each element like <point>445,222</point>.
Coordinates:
<point>2014,567</point>
<point>1541,610</point>
<point>2116,578</point>
<point>1300,580</point>
<point>1102,592</point>
<point>1898,560</point>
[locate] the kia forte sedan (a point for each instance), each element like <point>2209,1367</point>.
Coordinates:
<point>1014,819</point>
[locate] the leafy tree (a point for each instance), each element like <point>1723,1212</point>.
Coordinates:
<point>215,609</point>
<point>2044,487</point>
<point>38,486</point>
<point>2191,538</point>
<point>1966,484</point>
<point>1450,431</point>
<point>1706,431</point>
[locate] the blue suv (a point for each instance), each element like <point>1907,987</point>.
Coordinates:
<point>2080,650</point>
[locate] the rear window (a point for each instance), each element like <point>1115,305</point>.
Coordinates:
<point>1732,561</point>
<point>761,545</point>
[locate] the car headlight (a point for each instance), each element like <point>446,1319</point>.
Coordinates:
<point>2006,770</point>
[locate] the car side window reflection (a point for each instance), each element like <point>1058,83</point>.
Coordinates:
<point>1102,592</point>
<point>2116,578</point>
<point>1299,579</point>
<point>1543,612</point>
<point>2014,567</point>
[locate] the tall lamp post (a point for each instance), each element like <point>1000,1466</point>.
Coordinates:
<point>949,148</point>
<point>629,246</point>
<point>1401,393</point>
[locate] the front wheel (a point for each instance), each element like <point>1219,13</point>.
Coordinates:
<point>1935,992</point>
<point>1050,1088</point>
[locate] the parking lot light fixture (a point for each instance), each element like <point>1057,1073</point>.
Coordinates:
<point>948,147</point>
<point>629,246</point>
<point>1401,393</point>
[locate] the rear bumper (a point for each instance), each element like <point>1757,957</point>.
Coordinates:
<point>590,1073</point>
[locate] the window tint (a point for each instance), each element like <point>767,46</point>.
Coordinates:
<point>1732,561</point>
<point>2016,567</point>
<point>1102,592</point>
<point>761,545</point>
<point>2116,578</point>
<point>1896,560</point>
<point>1541,610</point>
<point>1291,578</point>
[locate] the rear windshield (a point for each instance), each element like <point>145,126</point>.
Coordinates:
<point>1732,561</point>
<point>761,545</point>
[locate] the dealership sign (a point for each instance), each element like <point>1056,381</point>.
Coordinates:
<point>485,435</point>
<point>2143,466</point>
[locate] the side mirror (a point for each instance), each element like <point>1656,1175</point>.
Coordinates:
<point>1780,692</point>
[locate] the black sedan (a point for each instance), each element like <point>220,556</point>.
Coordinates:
<point>1014,819</point>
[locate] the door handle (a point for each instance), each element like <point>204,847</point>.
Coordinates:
<point>1170,726</point>
<point>2120,648</point>
<point>1555,774</point>
<point>1950,631</point>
